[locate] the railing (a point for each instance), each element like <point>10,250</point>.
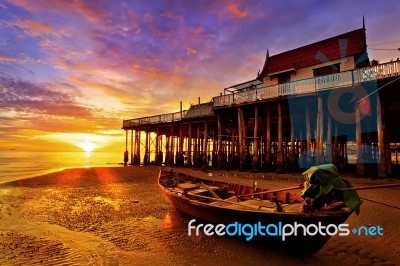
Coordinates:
<point>164,118</point>
<point>310,85</point>
<point>260,92</point>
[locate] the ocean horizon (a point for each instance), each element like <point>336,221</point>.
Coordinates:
<point>19,164</point>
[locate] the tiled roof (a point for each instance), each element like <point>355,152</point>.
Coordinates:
<point>347,44</point>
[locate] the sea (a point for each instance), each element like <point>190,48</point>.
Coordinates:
<point>16,164</point>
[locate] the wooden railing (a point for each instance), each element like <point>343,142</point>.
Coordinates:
<point>343,79</point>
<point>261,92</point>
<point>164,118</point>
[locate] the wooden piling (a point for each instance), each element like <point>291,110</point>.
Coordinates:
<point>197,157</point>
<point>138,147</point>
<point>146,149</point>
<point>360,158</point>
<point>382,165</point>
<point>320,132</point>
<point>157,147</point>
<point>242,153</point>
<point>219,146</point>
<point>179,156</point>
<point>132,157</point>
<point>167,148</point>
<point>171,147</point>
<point>292,156</point>
<point>189,158</point>
<point>308,137</point>
<point>280,162</point>
<point>205,146</point>
<point>328,157</point>
<point>268,142</point>
<point>126,153</point>
<point>255,161</point>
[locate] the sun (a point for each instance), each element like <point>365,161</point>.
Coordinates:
<point>87,146</point>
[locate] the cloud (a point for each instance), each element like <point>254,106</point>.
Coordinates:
<point>237,12</point>
<point>36,28</point>
<point>6,58</point>
<point>25,96</point>
<point>191,51</point>
<point>90,10</point>
<point>171,15</point>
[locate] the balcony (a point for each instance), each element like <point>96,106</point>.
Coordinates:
<point>311,85</point>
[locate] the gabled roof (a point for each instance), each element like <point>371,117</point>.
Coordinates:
<point>347,44</point>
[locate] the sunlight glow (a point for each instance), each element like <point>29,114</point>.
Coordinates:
<point>87,146</point>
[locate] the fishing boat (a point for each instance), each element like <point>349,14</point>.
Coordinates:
<point>227,203</point>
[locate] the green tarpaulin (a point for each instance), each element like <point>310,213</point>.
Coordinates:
<point>322,181</point>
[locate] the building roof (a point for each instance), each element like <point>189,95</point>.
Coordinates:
<point>198,110</point>
<point>347,44</point>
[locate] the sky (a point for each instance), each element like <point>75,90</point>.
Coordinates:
<point>72,70</point>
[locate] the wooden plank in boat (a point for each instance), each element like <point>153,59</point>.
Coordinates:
<point>187,186</point>
<point>221,203</point>
<point>197,191</point>
<point>258,203</point>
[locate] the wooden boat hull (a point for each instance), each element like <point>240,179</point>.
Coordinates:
<point>206,213</point>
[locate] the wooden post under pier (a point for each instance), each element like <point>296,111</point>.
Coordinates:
<point>219,146</point>
<point>360,157</point>
<point>205,147</point>
<point>382,165</point>
<point>268,142</point>
<point>320,132</point>
<point>280,161</point>
<point>255,161</point>
<point>328,155</point>
<point>241,129</point>
<point>308,137</point>
<point>132,147</point>
<point>189,158</point>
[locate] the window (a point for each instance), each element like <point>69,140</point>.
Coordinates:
<point>284,78</point>
<point>327,70</point>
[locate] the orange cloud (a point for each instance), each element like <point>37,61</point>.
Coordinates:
<point>90,10</point>
<point>36,28</point>
<point>197,30</point>
<point>11,59</point>
<point>190,51</point>
<point>235,11</point>
<point>170,15</point>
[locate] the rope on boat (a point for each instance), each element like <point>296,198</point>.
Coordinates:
<point>381,203</point>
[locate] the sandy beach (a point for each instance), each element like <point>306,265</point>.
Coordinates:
<point>119,216</point>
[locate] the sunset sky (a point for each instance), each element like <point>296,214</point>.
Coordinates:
<point>70,71</point>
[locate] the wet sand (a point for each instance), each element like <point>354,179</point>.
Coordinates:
<point>119,216</point>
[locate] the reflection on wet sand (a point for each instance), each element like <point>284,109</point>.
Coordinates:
<point>119,216</point>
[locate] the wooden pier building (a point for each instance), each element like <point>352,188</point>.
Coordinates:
<point>321,103</point>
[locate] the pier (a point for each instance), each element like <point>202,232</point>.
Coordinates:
<point>285,120</point>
